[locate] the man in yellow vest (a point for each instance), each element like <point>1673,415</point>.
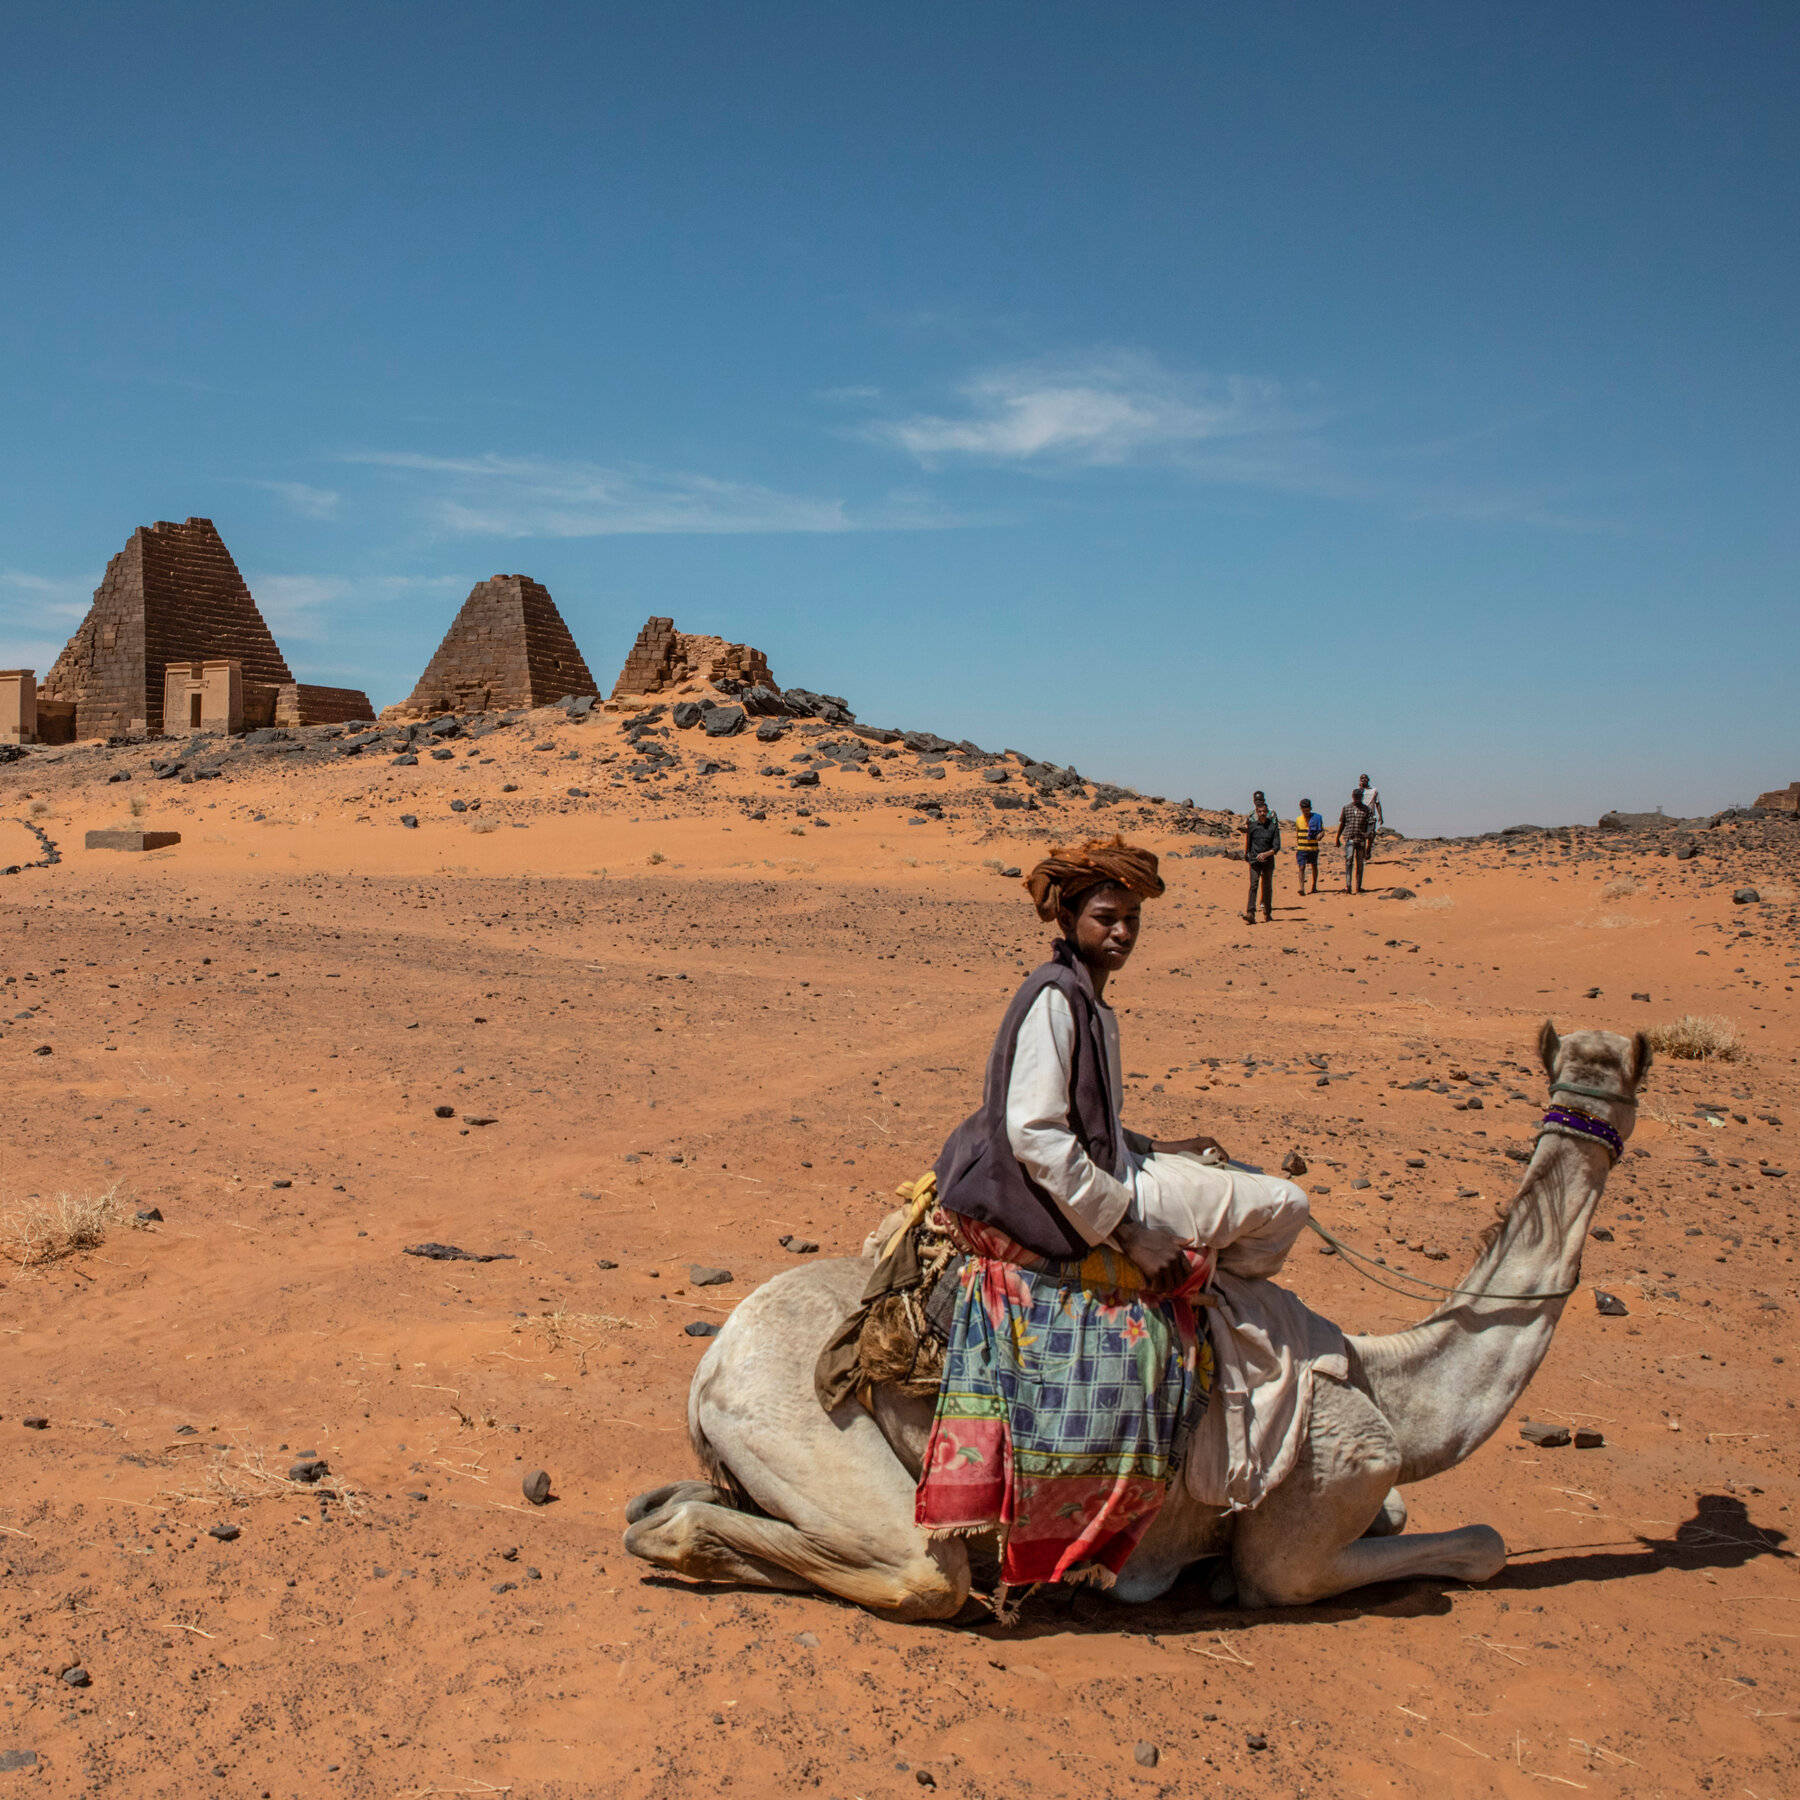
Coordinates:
<point>1309,831</point>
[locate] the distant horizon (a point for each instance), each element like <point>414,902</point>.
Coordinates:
<point>398,689</point>
<point>1221,398</point>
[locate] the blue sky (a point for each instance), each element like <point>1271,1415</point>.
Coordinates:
<point>1210,396</point>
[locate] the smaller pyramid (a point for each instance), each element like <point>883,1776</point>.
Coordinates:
<point>507,647</point>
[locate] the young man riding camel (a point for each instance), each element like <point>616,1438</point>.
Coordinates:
<point>1076,1362</point>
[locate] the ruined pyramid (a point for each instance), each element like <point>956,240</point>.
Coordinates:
<point>506,647</point>
<point>173,594</point>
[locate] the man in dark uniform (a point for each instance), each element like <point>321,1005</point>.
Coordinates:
<point>1262,842</point>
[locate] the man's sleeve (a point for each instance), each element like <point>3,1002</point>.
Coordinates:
<point>1037,1122</point>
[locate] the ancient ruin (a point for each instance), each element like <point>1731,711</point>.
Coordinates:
<point>507,647</point>
<point>1785,799</point>
<point>664,659</point>
<point>171,608</point>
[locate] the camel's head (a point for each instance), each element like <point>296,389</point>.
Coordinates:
<point>1603,1062</point>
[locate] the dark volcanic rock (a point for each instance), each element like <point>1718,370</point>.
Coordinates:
<point>1546,1437</point>
<point>1610,1306</point>
<point>536,1487</point>
<point>454,1253</point>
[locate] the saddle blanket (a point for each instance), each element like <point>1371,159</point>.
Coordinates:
<point>1067,1399</point>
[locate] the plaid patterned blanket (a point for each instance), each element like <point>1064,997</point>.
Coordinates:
<point>1068,1394</point>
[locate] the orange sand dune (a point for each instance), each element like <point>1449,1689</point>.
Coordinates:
<point>670,1034</point>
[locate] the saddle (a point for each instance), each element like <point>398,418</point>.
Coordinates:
<point>899,1331</point>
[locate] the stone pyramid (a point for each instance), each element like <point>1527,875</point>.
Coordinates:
<point>173,594</point>
<point>506,647</point>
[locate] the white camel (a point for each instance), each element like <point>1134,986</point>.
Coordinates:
<point>801,1498</point>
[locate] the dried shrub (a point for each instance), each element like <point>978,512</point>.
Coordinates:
<point>1618,890</point>
<point>34,1232</point>
<point>1692,1038</point>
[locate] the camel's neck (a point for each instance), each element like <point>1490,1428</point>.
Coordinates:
<point>1446,1384</point>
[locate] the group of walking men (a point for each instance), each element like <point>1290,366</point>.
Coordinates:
<point>1357,824</point>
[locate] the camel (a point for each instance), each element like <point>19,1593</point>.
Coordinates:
<point>799,1499</point>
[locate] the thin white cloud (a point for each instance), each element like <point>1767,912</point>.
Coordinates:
<point>521,497</point>
<point>308,501</point>
<point>304,607</point>
<point>38,614</point>
<point>1105,410</point>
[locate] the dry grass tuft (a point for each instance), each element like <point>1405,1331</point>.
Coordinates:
<point>656,856</point>
<point>35,1232</point>
<point>577,1332</point>
<point>484,826</point>
<point>1694,1039</point>
<point>1618,890</point>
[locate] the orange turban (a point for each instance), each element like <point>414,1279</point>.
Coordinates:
<point>1069,871</point>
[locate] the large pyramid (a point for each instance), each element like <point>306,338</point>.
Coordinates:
<point>506,647</point>
<point>173,594</point>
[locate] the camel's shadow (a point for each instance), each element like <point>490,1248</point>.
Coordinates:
<point>1719,1534</point>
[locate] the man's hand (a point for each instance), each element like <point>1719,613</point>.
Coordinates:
<point>1159,1256</point>
<point>1192,1146</point>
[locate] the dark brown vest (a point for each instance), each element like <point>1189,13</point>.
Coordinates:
<point>979,1176</point>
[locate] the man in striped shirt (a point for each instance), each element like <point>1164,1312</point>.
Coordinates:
<point>1309,828</point>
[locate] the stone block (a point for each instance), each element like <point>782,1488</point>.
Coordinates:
<point>132,839</point>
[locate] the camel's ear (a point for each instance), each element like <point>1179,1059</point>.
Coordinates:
<point>1640,1058</point>
<point>1548,1045</point>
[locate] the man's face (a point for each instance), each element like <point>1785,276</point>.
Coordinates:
<point>1106,929</point>
<point>1262,810</point>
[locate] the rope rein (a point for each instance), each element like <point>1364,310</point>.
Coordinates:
<point>1559,1121</point>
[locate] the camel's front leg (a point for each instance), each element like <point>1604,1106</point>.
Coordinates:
<point>1305,1542</point>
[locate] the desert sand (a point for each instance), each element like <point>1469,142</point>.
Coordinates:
<point>253,1034</point>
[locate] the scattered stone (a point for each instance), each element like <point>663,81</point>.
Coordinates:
<point>1293,1164</point>
<point>1770,1169</point>
<point>701,1328</point>
<point>995,775</point>
<point>536,1487</point>
<point>806,778</point>
<point>309,1470</point>
<point>1745,896</point>
<point>1362,1181</point>
<point>459,806</point>
<point>444,1112</point>
<point>150,1215</point>
<point>42,1050</point>
<point>281,1181</point>
<point>224,1533</point>
<point>1546,1437</point>
<point>1589,1437</point>
<point>453,1253</point>
<point>807,1640</point>
<point>479,1119</point>
<point>77,1677</point>
<point>132,839</point>
<point>701,1276</point>
<point>11,1760</point>
<point>1256,1741</point>
<point>442,755</point>
<point>1401,893</point>
<point>410,821</point>
<point>798,1245</point>
<point>1146,1755</point>
<point>35,1423</point>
